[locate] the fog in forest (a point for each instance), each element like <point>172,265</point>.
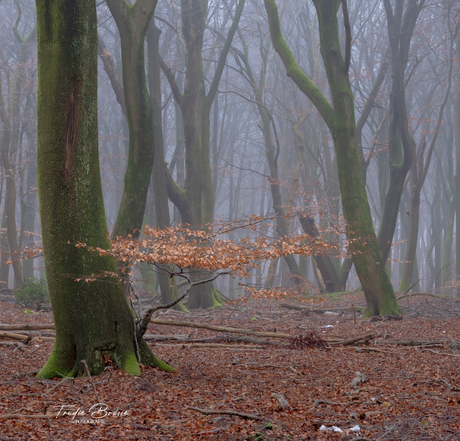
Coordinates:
<point>240,139</point>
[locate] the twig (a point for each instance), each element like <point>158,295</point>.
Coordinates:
<point>142,327</point>
<point>90,379</point>
<point>354,313</point>
<point>58,384</point>
<point>25,374</point>
<point>439,353</point>
<point>410,287</point>
<point>247,416</point>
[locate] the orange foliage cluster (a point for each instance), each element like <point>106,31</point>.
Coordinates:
<point>201,249</point>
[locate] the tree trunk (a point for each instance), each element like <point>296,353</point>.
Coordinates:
<point>93,321</point>
<point>132,22</point>
<point>457,175</point>
<point>168,287</point>
<point>196,202</point>
<point>340,118</point>
<point>328,272</point>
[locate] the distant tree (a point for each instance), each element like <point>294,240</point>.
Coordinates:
<point>401,25</point>
<point>10,141</point>
<point>93,320</point>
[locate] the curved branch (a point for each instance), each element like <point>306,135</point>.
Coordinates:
<point>112,73</point>
<point>172,81</point>
<point>32,33</point>
<point>304,83</point>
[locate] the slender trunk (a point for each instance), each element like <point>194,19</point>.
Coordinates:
<point>168,287</point>
<point>411,246</point>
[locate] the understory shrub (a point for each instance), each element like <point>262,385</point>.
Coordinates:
<point>33,292</point>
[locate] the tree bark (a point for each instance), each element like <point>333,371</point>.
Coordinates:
<point>93,320</point>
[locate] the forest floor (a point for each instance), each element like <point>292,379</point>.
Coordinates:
<point>386,389</point>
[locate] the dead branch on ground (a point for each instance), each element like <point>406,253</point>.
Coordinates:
<point>248,416</point>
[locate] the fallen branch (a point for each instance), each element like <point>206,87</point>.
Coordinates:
<point>362,339</point>
<point>247,416</point>
<point>213,345</point>
<point>7,343</point>
<point>412,343</point>
<point>214,339</point>
<point>317,403</point>
<point>90,379</point>
<point>427,294</point>
<point>26,327</point>
<point>308,310</point>
<point>14,336</point>
<point>220,328</point>
<point>439,353</point>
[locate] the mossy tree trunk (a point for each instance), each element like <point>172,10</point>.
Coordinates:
<point>132,22</point>
<point>93,320</point>
<point>196,201</point>
<point>457,173</point>
<point>340,119</point>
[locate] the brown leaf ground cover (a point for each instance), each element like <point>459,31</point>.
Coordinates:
<point>248,391</point>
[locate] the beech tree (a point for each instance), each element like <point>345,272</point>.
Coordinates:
<point>93,320</point>
<point>132,22</point>
<point>340,119</point>
<point>196,201</point>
